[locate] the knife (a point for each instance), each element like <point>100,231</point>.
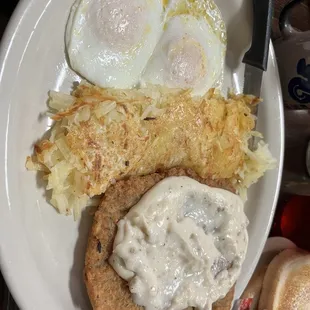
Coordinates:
<point>256,58</point>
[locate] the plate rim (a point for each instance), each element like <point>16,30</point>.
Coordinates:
<point>5,47</point>
<point>8,38</point>
<point>240,287</point>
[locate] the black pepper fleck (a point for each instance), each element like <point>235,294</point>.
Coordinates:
<point>126,163</point>
<point>99,247</point>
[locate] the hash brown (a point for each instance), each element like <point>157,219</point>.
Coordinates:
<point>104,135</point>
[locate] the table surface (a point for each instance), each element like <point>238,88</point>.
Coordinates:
<point>300,18</point>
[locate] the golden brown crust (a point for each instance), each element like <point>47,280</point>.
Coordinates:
<point>286,284</point>
<point>225,303</point>
<point>209,134</point>
<point>106,290</point>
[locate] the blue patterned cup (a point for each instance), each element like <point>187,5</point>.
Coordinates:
<point>293,54</point>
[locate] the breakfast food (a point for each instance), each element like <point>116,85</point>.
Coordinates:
<point>181,245</point>
<point>287,282</point>
<point>110,43</point>
<point>105,288</point>
<point>177,235</point>
<point>190,53</point>
<point>104,135</point>
<point>250,297</point>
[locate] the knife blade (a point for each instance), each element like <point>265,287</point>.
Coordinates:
<point>253,78</point>
<point>256,58</point>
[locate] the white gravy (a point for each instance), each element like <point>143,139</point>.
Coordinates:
<point>182,245</point>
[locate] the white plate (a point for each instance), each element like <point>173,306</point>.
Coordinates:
<point>42,253</point>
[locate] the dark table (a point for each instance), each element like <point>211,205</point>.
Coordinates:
<point>300,19</point>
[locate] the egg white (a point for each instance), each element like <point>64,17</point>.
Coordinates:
<point>189,55</point>
<point>109,42</point>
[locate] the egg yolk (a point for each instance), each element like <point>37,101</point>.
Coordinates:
<point>187,63</point>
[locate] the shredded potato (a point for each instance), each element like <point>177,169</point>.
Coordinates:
<point>103,135</point>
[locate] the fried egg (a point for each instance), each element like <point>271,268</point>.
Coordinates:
<point>109,42</point>
<point>190,54</point>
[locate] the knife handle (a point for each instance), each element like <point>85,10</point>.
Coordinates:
<point>257,55</point>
